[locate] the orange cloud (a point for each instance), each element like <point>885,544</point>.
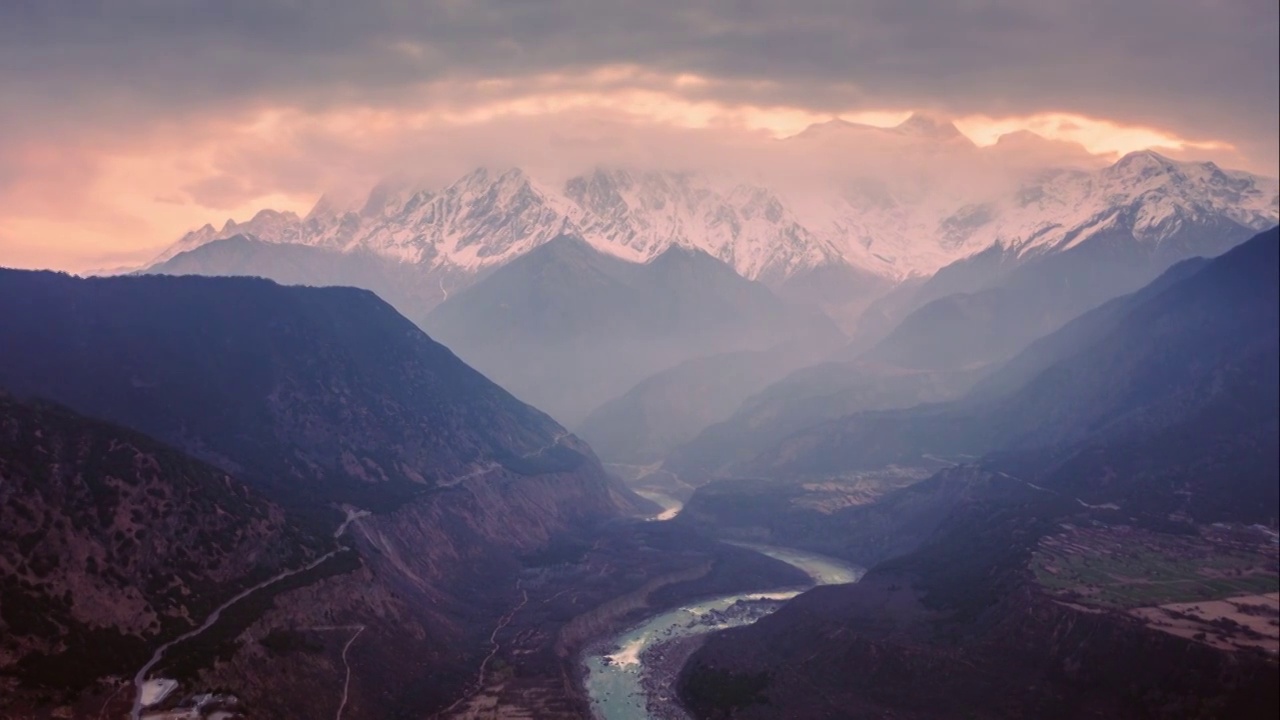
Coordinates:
<point>90,201</point>
<point>1098,135</point>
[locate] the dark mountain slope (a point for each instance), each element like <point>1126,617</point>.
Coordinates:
<point>829,391</point>
<point>1176,358</point>
<point>1076,336</point>
<point>1167,356</point>
<point>804,399</point>
<point>406,287</point>
<point>568,328</point>
<point>316,395</point>
<point>843,292</point>
<point>673,406</point>
<point>958,629</point>
<point>1015,300</point>
<point>111,542</point>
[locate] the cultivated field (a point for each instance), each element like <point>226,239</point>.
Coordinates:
<point>1218,587</point>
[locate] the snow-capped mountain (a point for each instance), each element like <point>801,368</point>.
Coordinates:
<point>486,219</point>
<point>1158,196</point>
<point>267,225</point>
<point>1063,244</point>
<point>917,220</point>
<point>909,220</point>
<point>483,219</point>
<point>640,215</point>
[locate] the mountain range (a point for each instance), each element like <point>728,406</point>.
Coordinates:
<point>1111,233</point>
<point>1172,353</point>
<point>924,272</point>
<point>870,231</point>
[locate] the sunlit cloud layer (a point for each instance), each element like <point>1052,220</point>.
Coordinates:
<point>127,124</point>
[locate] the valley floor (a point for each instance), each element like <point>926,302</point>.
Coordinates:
<point>578,595</point>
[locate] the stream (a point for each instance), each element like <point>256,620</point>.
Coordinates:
<point>631,676</point>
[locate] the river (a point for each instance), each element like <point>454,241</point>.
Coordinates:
<point>631,676</point>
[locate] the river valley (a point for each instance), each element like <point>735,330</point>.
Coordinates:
<point>632,675</point>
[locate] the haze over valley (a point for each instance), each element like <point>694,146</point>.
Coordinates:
<point>711,361</point>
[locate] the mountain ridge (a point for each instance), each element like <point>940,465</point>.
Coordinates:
<point>1195,322</point>
<point>486,218</point>
<point>568,327</point>
<point>359,348</point>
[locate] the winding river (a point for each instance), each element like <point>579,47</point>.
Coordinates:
<point>631,676</point>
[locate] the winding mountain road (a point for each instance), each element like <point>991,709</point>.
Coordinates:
<point>491,466</point>
<point>482,675</point>
<point>140,678</point>
<point>346,684</point>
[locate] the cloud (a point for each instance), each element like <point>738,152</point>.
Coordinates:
<point>85,202</point>
<point>227,105</point>
<point>1199,68</point>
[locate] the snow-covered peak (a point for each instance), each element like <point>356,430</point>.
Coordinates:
<point>192,240</point>
<point>1036,145</point>
<point>273,218</point>
<point>1147,194</point>
<point>267,225</point>
<point>1200,187</point>
<point>918,127</point>
<point>639,215</point>
<point>483,179</point>
<point>901,230</point>
<point>1142,163</point>
<point>1026,150</point>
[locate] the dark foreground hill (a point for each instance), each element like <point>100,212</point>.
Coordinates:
<point>304,407</point>
<point>316,395</point>
<point>111,541</point>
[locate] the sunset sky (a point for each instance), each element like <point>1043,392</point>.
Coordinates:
<point>125,123</point>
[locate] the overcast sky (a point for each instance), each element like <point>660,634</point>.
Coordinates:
<point>125,122</point>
